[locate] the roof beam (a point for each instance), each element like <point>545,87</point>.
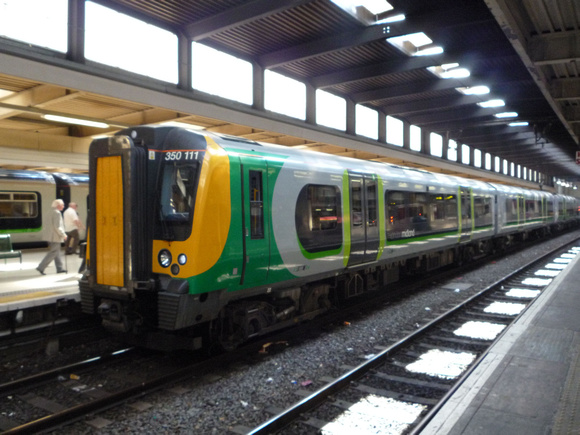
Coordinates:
<point>238,16</point>
<point>555,48</point>
<point>417,23</point>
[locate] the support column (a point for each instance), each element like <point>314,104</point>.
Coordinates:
<point>76,31</point>
<point>406,135</point>
<point>310,104</point>
<point>460,153</point>
<point>184,62</point>
<point>350,117</point>
<point>382,127</point>
<point>445,147</point>
<point>425,142</point>
<point>258,86</point>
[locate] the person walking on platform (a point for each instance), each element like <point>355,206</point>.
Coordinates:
<point>54,235</point>
<point>72,225</point>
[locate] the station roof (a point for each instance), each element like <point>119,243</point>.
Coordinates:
<point>526,53</point>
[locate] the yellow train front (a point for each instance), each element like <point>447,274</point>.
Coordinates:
<point>145,239</point>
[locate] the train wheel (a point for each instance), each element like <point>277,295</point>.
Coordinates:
<point>228,329</point>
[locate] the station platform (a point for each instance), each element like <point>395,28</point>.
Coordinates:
<point>529,382</point>
<point>22,286</point>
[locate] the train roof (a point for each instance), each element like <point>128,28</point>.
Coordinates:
<point>16,174</point>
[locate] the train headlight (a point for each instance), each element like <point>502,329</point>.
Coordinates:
<point>164,258</point>
<point>182,259</point>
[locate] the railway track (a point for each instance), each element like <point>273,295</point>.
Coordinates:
<point>52,413</point>
<point>411,379</point>
<point>61,396</point>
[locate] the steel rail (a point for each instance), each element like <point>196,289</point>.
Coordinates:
<point>307,404</point>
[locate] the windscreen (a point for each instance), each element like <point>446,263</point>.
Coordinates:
<point>177,198</point>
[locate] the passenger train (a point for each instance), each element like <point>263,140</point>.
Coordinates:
<point>26,198</point>
<point>198,237</point>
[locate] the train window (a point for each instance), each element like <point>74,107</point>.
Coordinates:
<point>178,189</point>
<point>20,210</point>
<point>318,218</point>
<point>373,218</point>
<point>443,212</point>
<point>533,209</point>
<point>356,202</point>
<point>411,214</point>
<point>482,210</point>
<point>511,209</point>
<point>256,205</point>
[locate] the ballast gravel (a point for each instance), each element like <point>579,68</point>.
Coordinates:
<point>241,395</point>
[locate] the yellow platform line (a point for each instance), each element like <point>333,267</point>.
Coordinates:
<point>21,297</point>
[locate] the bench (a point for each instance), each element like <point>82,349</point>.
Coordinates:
<point>6,250</point>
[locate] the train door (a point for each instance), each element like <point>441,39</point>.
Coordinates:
<point>465,206</point>
<point>364,221</point>
<point>255,220</point>
<point>521,210</point>
<point>544,209</point>
<point>62,189</point>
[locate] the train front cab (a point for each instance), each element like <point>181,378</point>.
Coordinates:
<point>152,229</point>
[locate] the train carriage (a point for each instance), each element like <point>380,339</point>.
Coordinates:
<point>26,198</point>
<point>201,236</point>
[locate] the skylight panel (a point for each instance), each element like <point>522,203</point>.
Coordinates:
<point>415,44</point>
<point>370,11</point>
<point>449,71</point>
<point>375,7</point>
<point>473,90</point>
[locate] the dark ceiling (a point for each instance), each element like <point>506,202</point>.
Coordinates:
<point>525,52</point>
<point>319,43</point>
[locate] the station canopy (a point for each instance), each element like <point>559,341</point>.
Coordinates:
<point>496,76</point>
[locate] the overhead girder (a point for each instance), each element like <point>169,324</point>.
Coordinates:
<point>237,16</point>
<point>554,48</point>
<point>464,58</point>
<point>419,23</point>
<point>434,84</point>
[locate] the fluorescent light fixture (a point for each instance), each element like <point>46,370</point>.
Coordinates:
<point>415,44</point>
<point>75,121</point>
<point>519,124</point>
<point>429,50</point>
<point>506,115</point>
<point>492,103</point>
<point>456,73</point>
<point>374,6</point>
<point>5,93</point>
<point>474,90</point>
<point>182,125</point>
<point>391,19</point>
<point>449,71</point>
<point>370,11</point>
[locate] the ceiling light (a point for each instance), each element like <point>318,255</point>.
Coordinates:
<point>5,93</point>
<point>456,73</point>
<point>415,44</point>
<point>428,50</point>
<point>375,6</point>
<point>449,71</point>
<point>492,103</point>
<point>506,115</point>
<point>519,124</point>
<point>393,18</point>
<point>182,125</point>
<point>75,121</point>
<point>474,90</point>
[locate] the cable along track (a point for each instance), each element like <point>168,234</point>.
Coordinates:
<point>401,388</point>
